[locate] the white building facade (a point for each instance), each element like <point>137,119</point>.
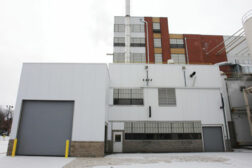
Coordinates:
<point>170,113</point>
<point>120,108</point>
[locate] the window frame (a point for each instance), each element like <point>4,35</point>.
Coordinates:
<point>167,104</point>
<point>157,42</point>
<point>131,100</point>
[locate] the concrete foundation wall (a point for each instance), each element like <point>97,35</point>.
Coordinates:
<point>87,149</point>
<point>10,147</point>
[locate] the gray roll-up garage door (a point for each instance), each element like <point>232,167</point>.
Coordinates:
<point>213,139</point>
<point>44,127</point>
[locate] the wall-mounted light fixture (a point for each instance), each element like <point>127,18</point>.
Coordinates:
<point>192,74</point>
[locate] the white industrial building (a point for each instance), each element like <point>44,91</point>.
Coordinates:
<point>119,108</point>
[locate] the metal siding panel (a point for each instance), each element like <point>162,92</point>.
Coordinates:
<point>177,127</point>
<point>138,127</point>
<point>213,139</point>
<point>44,127</point>
<point>128,127</point>
<point>151,127</point>
<point>164,127</point>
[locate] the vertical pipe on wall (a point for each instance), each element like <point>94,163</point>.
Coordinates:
<point>224,116</point>
<point>187,58</point>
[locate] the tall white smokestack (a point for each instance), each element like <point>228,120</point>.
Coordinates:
<point>127,31</point>
<point>127,5</point>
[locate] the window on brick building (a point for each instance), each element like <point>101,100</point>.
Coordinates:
<point>177,43</point>
<point>158,58</point>
<point>157,43</point>
<point>156,27</point>
<point>178,58</point>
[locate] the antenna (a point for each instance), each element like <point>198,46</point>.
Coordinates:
<point>127,5</point>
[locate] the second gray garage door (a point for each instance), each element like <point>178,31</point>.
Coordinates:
<point>44,127</point>
<point>213,139</point>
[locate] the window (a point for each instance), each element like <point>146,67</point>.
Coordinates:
<point>156,26</point>
<point>162,136</point>
<point>137,58</point>
<point>119,41</point>
<point>117,138</point>
<point>158,58</point>
<point>119,58</point>
<point>137,27</point>
<point>166,96</point>
<point>137,42</point>
<point>128,96</point>
<point>177,43</point>
<point>157,42</point>
<point>119,28</point>
<point>178,58</point>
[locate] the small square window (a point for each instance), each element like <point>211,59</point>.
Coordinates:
<point>157,42</point>
<point>118,138</point>
<point>156,26</point>
<point>166,96</point>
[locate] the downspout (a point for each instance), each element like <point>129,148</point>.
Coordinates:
<point>187,58</point>
<point>224,116</point>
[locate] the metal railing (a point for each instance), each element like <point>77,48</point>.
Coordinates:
<point>246,16</point>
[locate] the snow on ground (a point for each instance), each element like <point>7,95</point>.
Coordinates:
<point>3,145</point>
<point>241,158</point>
<point>28,161</point>
<point>33,162</point>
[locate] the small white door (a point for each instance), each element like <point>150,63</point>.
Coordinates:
<point>117,142</point>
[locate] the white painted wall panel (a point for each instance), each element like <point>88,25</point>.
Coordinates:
<point>132,49</point>
<point>83,83</point>
<point>192,104</point>
<point>119,19</point>
<point>132,75</point>
<point>117,126</point>
<point>236,95</point>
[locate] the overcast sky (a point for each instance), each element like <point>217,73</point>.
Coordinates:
<point>82,30</point>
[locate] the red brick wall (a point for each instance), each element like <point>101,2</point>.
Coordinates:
<point>151,41</point>
<point>198,47</point>
<point>194,48</point>
<point>165,39</point>
<point>208,43</point>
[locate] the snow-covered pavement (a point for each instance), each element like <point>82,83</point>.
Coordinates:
<point>239,158</point>
<point>33,162</point>
<point>3,145</point>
